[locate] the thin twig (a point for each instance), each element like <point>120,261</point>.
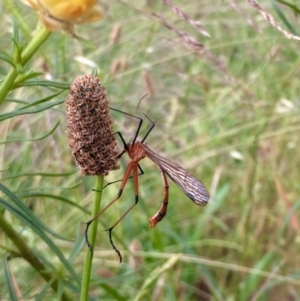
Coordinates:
<point>271,20</point>
<point>184,16</point>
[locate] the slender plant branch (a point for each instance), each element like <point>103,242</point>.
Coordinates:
<point>38,39</point>
<point>30,257</point>
<point>92,240</point>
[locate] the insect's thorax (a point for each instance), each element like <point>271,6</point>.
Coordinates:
<point>136,151</point>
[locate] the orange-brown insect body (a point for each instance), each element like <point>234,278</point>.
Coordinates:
<point>137,151</point>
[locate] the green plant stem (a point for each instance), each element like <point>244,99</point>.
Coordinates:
<point>92,240</point>
<point>7,84</point>
<point>30,257</point>
<point>38,39</point>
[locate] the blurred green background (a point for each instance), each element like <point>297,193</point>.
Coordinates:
<point>230,117</point>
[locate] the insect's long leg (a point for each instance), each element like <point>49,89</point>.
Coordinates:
<point>136,191</point>
<point>141,173</point>
<point>157,217</point>
<point>151,128</point>
<point>138,129</point>
<point>124,143</point>
<point>124,181</point>
<point>120,155</point>
<point>139,126</point>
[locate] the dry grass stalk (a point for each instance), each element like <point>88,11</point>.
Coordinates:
<point>184,16</point>
<point>193,44</point>
<point>247,17</point>
<point>89,127</point>
<point>294,221</point>
<point>271,20</point>
<point>118,65</point>
<point>148,83</point>
<point>135,260</point>
<point>116,34</point>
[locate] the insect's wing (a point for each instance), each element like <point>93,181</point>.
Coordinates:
<point>191,186</point>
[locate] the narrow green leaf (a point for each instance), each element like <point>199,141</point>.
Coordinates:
<point>283,18</point>
<point>48,263</point>
<point>287,220</point>
<point>9,281</point>
<point>56,197</point>
<point>41,296</point>
<point>78,245</point>
<point>76,289</point>
<point>25,77</point>
<point>10,99</point>
<point>49,188</point>
<point>60,290</point>
<point>21,215</point>
<point>154,275</point>
<point>212,282</point>
<point>40,137</point>
<point>113,292</point>
<point>43,83</point>
<point>210,210</point>
<point>30,111</point>
<point>5,57</point>
<point>28,212</point>
<point>38,230</point>
<point>252,282</point>
<point>43,100</point>
<point>42,174</point>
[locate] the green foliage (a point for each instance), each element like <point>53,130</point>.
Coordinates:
<point>9,280</point>
<point>237,131</point>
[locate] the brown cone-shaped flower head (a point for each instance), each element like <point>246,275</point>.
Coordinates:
<point>89,127</point>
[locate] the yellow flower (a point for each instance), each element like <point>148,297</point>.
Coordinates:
<point>63,14</point>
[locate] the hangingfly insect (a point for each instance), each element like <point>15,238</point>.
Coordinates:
<point>137,151</point>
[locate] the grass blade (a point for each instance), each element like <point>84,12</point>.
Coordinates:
<point>37,109</point>
<point>9,280</point>
<point>28,212</point>
<point>40,137</point>
<point>154,275</point>
<point>31,223</point>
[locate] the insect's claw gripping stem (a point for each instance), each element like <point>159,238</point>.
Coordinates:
<point>113,245</point>
<point>87,239</point>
